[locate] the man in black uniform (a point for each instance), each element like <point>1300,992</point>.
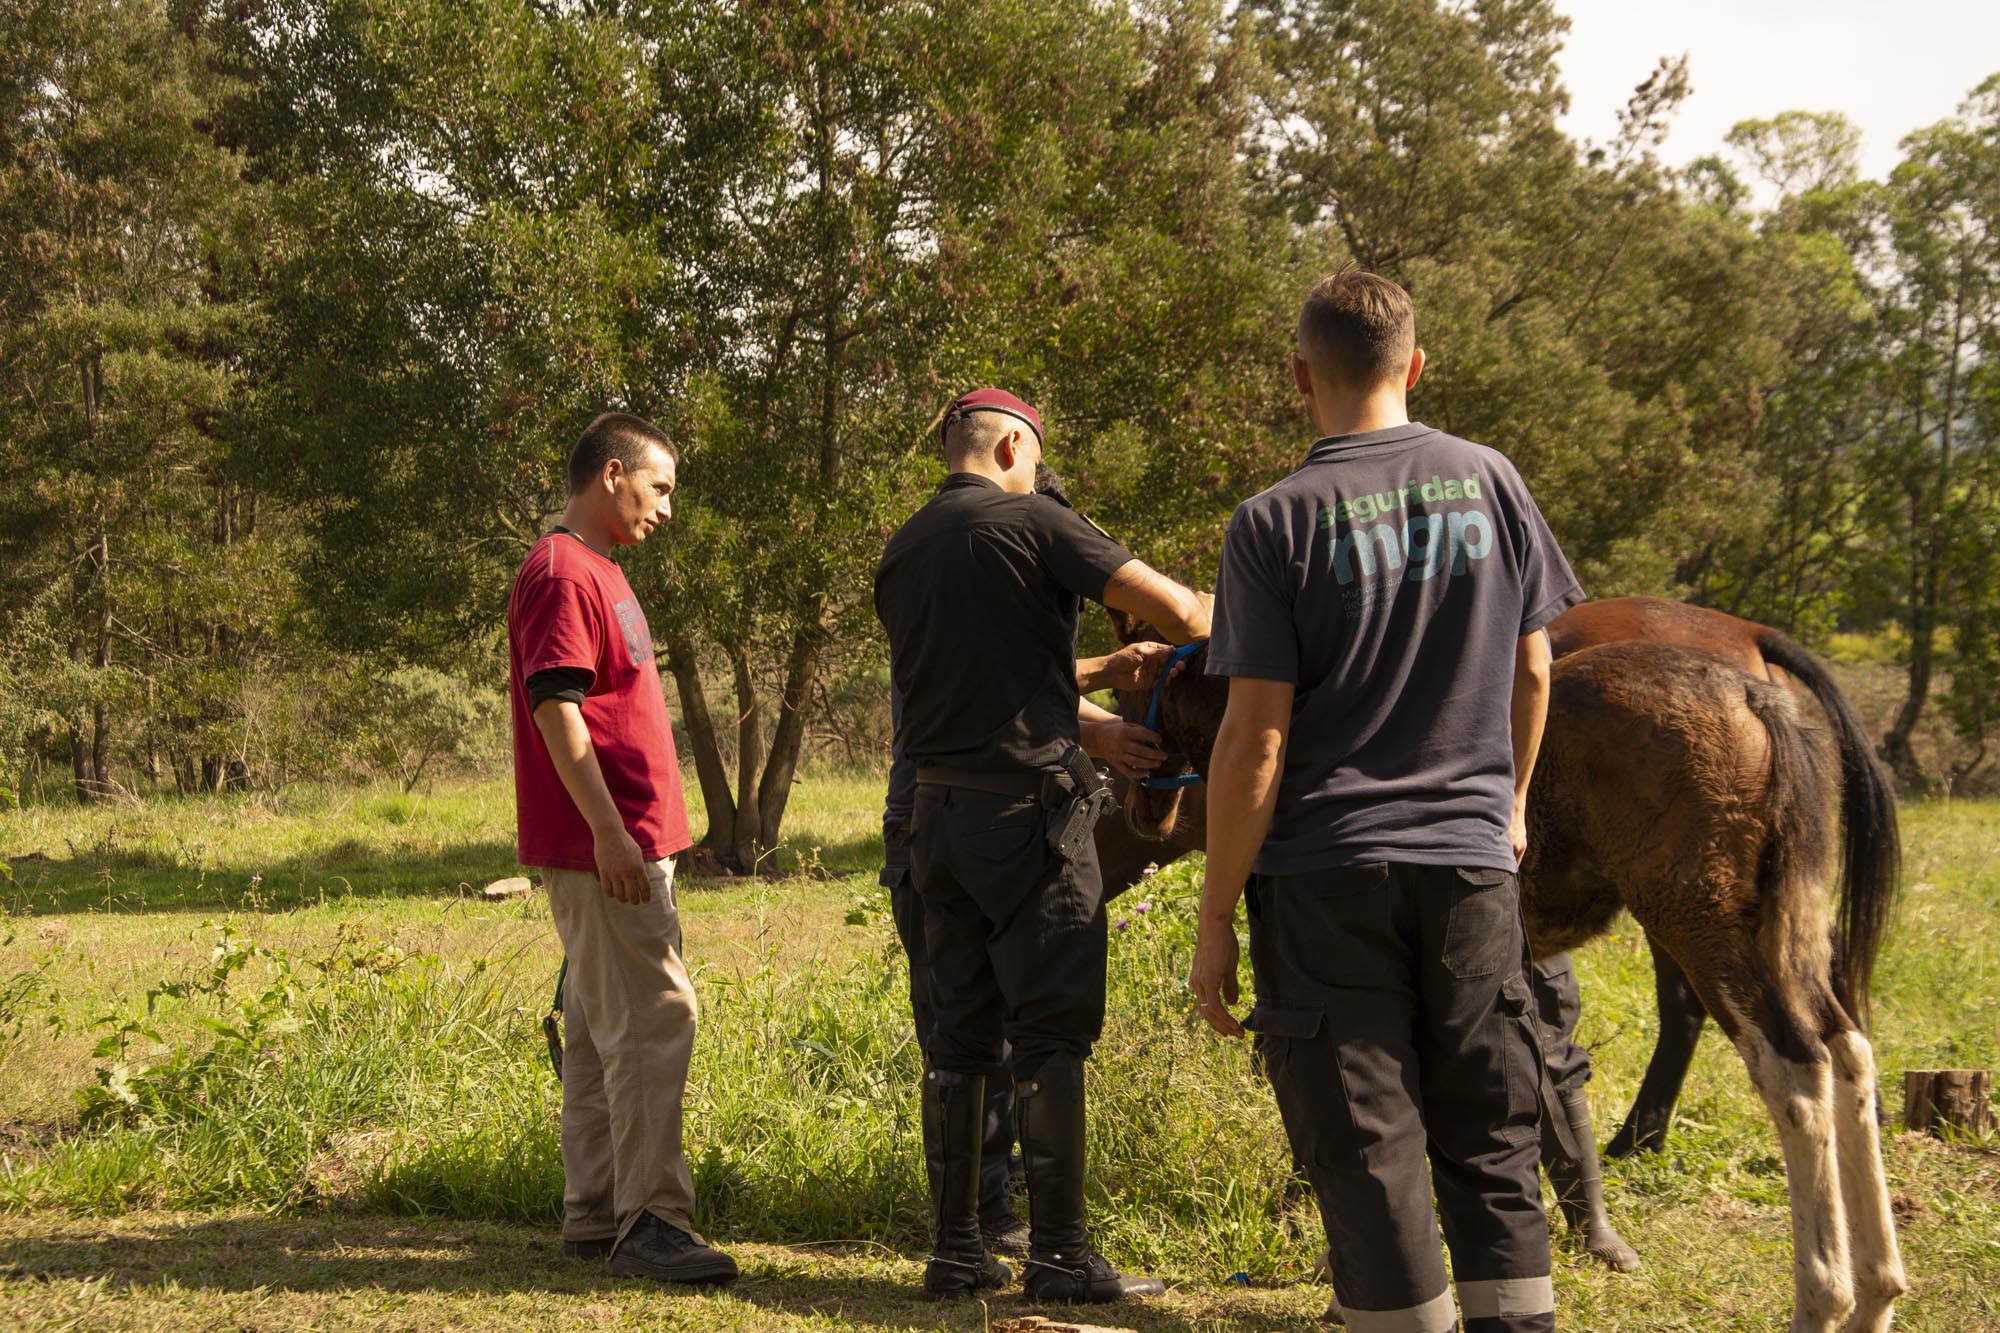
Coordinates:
<point>1133,752</point>
<point>1379,614</point>
<point>980,593</point>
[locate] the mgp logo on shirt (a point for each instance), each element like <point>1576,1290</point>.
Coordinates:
<point>1427,544</point>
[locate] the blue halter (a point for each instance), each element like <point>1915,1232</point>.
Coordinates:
<point>1174,659</point>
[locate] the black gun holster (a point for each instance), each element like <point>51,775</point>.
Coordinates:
<point>1076,797</point>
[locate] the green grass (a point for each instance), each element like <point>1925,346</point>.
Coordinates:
<point>337,1112</point>
<point>262,852</point>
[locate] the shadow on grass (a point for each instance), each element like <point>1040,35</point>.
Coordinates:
<point>129,881</point>
<point>123,881</point>
<point>370,1255</point>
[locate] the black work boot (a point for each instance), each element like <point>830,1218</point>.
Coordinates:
<point>1579,1185</point>
<point>954,1123</point>
<point>1048,1112</point>
<point>662,1251</point>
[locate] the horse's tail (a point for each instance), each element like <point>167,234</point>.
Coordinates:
<point>1799,836</point>
<point>1871,850</point>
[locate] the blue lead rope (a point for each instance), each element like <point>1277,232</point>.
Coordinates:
<point>1174,659</point>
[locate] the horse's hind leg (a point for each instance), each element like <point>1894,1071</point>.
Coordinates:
<point>1681,1019</point>
<point>1795,1079</point>
<point>1878,1267</point>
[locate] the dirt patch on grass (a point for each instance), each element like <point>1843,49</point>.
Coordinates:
<point>25,1141</point>
<point>340,1175</point>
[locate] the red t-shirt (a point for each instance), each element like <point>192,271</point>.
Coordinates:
<point>572,607</point>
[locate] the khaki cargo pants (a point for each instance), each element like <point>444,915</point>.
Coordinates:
<point>628,1032</point>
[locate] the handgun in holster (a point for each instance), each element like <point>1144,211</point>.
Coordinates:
<point>1074,810</point>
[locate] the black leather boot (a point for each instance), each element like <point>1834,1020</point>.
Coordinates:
<point>954,1124</point>
<point>1048,1112</point>
<point>1579,1185</point>
<point>1003,1229</point>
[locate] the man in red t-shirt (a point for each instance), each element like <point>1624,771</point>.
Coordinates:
<point>598,794</point>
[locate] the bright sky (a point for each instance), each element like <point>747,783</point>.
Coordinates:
<point>1891,65</point>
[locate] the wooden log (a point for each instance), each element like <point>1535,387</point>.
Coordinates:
<point>1959,1098</point>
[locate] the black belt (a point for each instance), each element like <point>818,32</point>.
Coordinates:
<point>1022,782</point>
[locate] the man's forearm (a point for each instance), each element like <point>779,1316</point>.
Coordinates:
<point>1242,794</point>
<point>563,729</point>
<point>1090,673</point>
<point>1530,708</point>
<point>1180,613</point>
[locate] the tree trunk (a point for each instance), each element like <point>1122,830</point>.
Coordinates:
<point>1929,538</point>
<point>708,766</point>
<point>750,842</point>
<point>79,766</point>
<point>100,739</point>
<point>82,776</point>
<point>1897,750</point>
<point>774,792</point>
<point>152,735</point>
<point>1959,1098</point>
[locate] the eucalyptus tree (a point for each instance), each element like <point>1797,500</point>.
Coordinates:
<point>1580,313</point>
<point>1796,549</point>
<point>1936,507</point>
<point>920,198</point>
<point>789,231</point>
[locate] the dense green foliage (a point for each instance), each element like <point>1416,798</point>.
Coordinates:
<point>303,301</point>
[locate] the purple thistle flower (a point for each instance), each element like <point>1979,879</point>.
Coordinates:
<point>1143,908</point>
<point>1123,923</point>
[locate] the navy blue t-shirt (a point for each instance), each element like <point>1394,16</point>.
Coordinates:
<point>1389,580</point>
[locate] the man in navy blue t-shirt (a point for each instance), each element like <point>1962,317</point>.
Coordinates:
<point>1379,614</point>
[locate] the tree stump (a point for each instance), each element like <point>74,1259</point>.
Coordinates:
<point>1960,1098</point>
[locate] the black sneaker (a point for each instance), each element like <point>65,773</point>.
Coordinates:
<point>596,1248</point>
<point>662,1251</point>
<point>1005,1233</point>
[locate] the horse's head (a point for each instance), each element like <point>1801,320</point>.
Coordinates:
<point>1191,707</point>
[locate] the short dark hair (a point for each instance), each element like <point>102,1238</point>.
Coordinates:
<point>1048,482</point>
<point>618,435</point>
<point>1359,328</point>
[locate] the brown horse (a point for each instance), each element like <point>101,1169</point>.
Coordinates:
<point>1870,850</point>
<point>1678,786</point>
<point>1870,853</point>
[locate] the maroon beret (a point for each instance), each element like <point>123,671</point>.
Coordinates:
<point>990,400</point>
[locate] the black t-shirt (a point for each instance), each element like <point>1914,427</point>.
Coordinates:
<point>1389,579</point>
<point>980,592</point>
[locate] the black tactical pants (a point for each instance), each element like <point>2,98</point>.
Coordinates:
<point>997,1144</point>
<point>1015,933</point>
<point>1559,1004</point>
<point>1393,1014</point>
